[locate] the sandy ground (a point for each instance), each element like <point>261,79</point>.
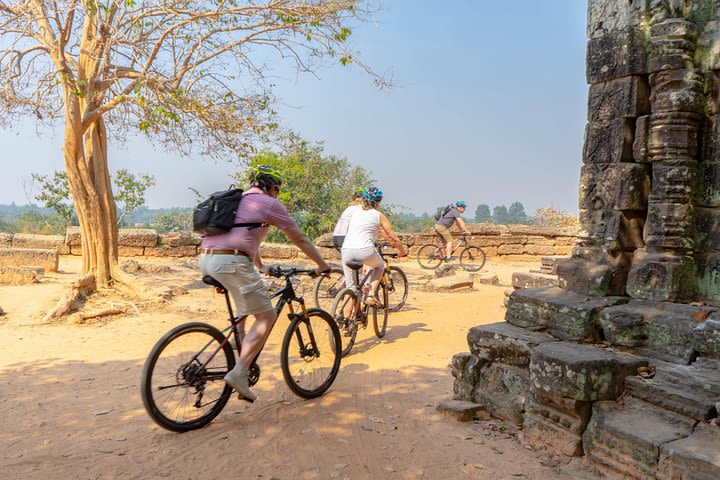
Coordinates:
<point>70,404</point>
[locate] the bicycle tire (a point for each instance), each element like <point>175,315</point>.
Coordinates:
<point>300,327</point>
<point>327,287</point>
<point>380,313</point>
<point>398,288</point>
<point>472,258</point>
<point>348,328</point>
<point>153,407</point>
<point>428,258</point>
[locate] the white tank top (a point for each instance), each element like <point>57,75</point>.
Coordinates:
<point>364,227</point>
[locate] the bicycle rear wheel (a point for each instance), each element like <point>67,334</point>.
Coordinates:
<point>472,258</point>
<point>327,287</point>
<point>380,313</point>
<point>182,384</point>
<point>310,357</point>
<point>345,302</point>
<point>397,287</point>
<point>430,256</point>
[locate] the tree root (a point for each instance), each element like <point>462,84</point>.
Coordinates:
<point>73,299</point>
<point>131,283</point>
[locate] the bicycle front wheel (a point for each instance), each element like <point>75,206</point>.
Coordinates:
<point>380,312</point>
<point>182,384</point>
<point>430,256</point>
<point>472,259</point>
<point>397,287</point>
<point>343,312</point>
<point>310,357</point>
<point>327,287</point>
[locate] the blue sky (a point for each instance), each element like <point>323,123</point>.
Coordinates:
<point>490,108</point>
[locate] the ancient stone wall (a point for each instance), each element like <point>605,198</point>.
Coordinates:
<point>509,242</point>
<point>621,361</point>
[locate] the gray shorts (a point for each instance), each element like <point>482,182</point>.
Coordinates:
<point>238,275</point>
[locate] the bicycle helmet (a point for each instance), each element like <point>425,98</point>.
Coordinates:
<point>460,203</point>
<point>265,176</point>
<point>358,193</point>
<point>372,195</point>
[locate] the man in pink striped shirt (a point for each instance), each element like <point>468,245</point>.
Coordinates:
<point>230,258</point>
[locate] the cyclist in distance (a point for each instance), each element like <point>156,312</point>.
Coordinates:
<point>229,258</point>
<point>341,227</point>
<point>359,244</point>
<point>442,226</point>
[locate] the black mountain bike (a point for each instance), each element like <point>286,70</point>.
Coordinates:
<point>182,384</point>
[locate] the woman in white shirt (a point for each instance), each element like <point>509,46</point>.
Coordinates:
<point>359,244</point>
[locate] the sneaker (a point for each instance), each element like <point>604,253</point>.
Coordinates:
<point>237,378</point>
<point>447,259</point>
<point>372,301</point>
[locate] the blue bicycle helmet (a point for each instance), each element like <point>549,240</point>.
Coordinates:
<point>460,203</point>
<point>372,195</point>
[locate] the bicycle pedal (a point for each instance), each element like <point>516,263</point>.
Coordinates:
<point>249,400</point>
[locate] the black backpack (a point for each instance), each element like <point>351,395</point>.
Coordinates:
<point>442,211</point>
<point>216,215</point>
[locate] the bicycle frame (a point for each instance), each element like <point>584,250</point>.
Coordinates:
<point>287,297</point>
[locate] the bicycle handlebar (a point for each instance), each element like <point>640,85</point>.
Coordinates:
<point>288,272</point>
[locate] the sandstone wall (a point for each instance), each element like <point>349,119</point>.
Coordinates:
<point>519,242</point>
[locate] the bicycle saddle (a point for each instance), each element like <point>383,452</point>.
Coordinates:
<point>212,282</point>
<point>354,265</point>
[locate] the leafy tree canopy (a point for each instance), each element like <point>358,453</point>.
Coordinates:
<point>316,187</point>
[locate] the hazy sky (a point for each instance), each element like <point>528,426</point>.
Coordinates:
<point>490,109</point>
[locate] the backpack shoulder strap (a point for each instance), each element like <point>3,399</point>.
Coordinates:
<point>252,225</point>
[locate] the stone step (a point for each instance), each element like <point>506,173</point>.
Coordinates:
<point>693,458</point>
<point>533,280</point>
<point>22,257</point>
<point>461,410</point>
<point>626,440</point>
<point>690,390</point>
<point>506,343</point>
<point>20,275</point>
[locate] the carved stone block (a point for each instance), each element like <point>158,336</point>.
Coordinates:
<point>640,144</point>
<point>614,230</point>
<point>533,280</point>
<point>505,343</point>
<point>708,229</point>
<point>592,277</point>
<point>565,315</point>
<point>606,17</point>
<point>708,190</point>
<point>665,278</point>
<point>627,97</point>
<point>657,329</point>
<point>675,182</point>
<point>615,56</point>
<point>688,390</point>
<point>677,91</point>
<point>708,270</point>
<point>609,142</point>
<point>581,372</point>
<point>670,225</point>
<point>626,441</point>
<point>673,135</point>
<point>615,186</point>
<point>672,44</point>
<point>711,139</point>
<point>692,458</point>
<point>556,421</point>
<point>465,369</point>
<point>501,390</point>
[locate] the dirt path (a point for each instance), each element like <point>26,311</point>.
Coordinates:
<point>70,403</point>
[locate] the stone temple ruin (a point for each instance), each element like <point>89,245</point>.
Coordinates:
<point>620,362</point>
